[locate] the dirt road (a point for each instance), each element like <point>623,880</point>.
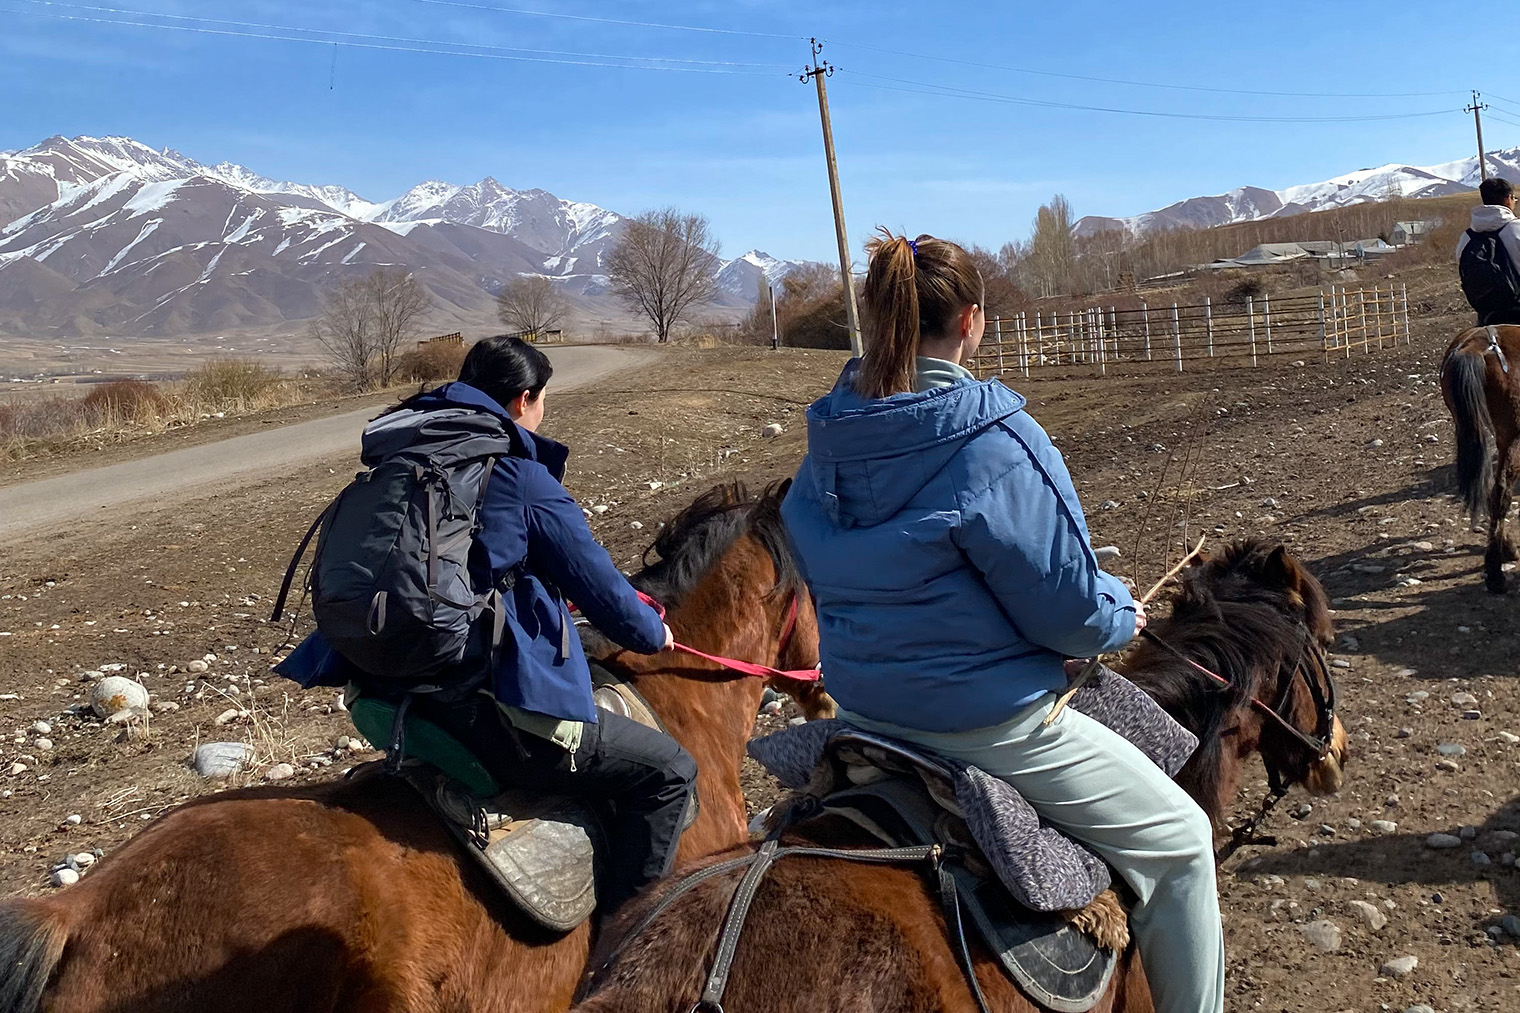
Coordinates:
<point>205,470</point>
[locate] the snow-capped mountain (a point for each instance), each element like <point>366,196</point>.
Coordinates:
<point>740,277</point>
<point>109,235</point>
<point>1249,203</point>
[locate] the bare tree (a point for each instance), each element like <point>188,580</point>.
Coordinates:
<point>664,265</point>
<point>531,304</point>
<point>366,321</point>
<point>1052,251</point>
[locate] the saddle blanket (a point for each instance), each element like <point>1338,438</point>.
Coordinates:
<point>1042,868</point>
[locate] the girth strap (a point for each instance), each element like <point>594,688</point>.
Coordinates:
<point>756,866</point>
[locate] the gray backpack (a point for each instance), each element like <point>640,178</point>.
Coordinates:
<point>391,583</point>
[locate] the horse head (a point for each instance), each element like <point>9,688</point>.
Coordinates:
<point>1255,616</point>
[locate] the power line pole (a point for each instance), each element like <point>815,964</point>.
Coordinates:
<point>1477,109</point>
<point>818,71</point>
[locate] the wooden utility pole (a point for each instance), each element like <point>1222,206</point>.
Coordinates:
<point>818,71</point>
<point>1476,109</point>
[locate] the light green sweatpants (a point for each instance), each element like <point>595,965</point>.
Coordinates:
<point>1102,790</point>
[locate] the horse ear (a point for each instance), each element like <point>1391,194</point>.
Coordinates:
<point>1280,569</point>
<point>783,487</point>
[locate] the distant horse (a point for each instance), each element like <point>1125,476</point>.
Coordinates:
<point>1480,382</point>
<point>350,896</point>
<point>828,934</point>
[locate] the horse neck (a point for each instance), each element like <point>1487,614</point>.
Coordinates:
<point>1227,727</point>
<point>710,712</point>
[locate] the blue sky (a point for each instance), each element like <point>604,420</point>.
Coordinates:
<point>744,148</point>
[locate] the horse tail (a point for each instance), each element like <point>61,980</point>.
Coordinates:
<point>31,945</point>
<point>1469,409</point>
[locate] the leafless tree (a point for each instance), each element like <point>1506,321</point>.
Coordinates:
<point>365,323</point>
<point>664,265</point>
<point>1052,251</point>
<point>532,304</point>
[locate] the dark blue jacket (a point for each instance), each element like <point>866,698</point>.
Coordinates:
<point>944,543</point>
<point>529,518</point>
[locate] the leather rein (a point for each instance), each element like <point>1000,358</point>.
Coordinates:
<point>749,668</point>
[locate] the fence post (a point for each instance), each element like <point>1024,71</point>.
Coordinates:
<point>1102,354</point>
<point>1361,306</point>
<point>1071,334</point>
<point>1266,313</point>
<point>1404,297</point>
<point>1208,320</point>
<point>1324,345</point>
<point>1177,337</point>
<point>1039,336</point>
<point>1251,318</point>
<point>1346,319</point>
<point>997,335</point>
<point>1145,316</point>
<point>1023,344</point>
<point>1393,318</point>
<point>1377,316</point>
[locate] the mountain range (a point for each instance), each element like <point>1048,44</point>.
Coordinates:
<point>1248,203</point>
<point>109,236</point>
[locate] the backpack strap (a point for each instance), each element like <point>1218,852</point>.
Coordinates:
<point>295,561</point>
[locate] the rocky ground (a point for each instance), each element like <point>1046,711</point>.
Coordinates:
<point>1357,906</point>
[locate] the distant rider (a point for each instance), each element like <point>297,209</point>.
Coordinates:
<point>1488,255</point>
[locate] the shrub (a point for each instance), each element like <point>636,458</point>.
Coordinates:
<point>1245,288</point>
<point>231,381</point>
<point>432,361</point>
<point>125,401</point>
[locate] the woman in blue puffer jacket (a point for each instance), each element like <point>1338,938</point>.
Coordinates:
<point>939,531</point>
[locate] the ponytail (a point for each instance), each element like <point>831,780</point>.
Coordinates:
<point>892,328</point>
<point>914,288</point>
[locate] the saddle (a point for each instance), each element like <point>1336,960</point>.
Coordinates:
<point>1026,887</point>
<point>541,850</point>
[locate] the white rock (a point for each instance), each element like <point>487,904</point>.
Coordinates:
<point>1443,842</point>
<point>84,859</point>
<point>221,759</point>
<point>228,716</point>
<point>42,728</point>
<point>74,820</point>
<point>1323,935</point>
<point>279,772</point>
<point>600,508</point>
<point>197,666</point>
<point>65,877</point>
<point>772,430</point>
<point>44,744</point>
<point>1107,553</point>
<point>1373,918</point>
<point>1399,966</point>
<point>117,693</point>
<point>18,768</point>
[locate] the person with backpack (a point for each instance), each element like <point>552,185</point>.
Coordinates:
<point>939,531</point>
<point>519,694</point>
<point>1488,256</point>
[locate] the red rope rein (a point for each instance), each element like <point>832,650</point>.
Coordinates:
<point>748,668</point>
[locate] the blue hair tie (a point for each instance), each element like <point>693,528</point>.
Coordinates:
<point>913,245</point>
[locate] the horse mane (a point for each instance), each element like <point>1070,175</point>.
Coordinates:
<point>1244,614</point>
<point>691,542</point>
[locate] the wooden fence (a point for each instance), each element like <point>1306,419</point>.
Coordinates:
<point>1339,322</point>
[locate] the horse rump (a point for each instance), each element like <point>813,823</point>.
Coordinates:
<point>1465,396</point>
<point>31,944</point>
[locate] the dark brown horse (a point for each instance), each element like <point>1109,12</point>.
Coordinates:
<point>1480,382</point>
<point>827,934</point>
<point>349,896</point>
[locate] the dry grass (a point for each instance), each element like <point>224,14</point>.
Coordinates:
<point>122,409</point>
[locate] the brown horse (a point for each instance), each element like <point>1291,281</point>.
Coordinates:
<point>826,934</point>
<point>1480,382</point>
<point>350,896</point>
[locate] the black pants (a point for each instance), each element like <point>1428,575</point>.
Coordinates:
<point>1509,316</point>
<point>645,775</point>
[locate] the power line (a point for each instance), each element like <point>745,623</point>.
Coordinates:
<point>609,21</point>
<point>394,43</point>
<point>1126,82</point>
<point>948,91</point>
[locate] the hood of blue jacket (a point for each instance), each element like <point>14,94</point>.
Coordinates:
<point>868,457</point>
<point>380,440</point>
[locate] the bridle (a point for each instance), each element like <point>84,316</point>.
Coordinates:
<point>749,668</point>
<point>1321,687</point>
<point>1322,690</point>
